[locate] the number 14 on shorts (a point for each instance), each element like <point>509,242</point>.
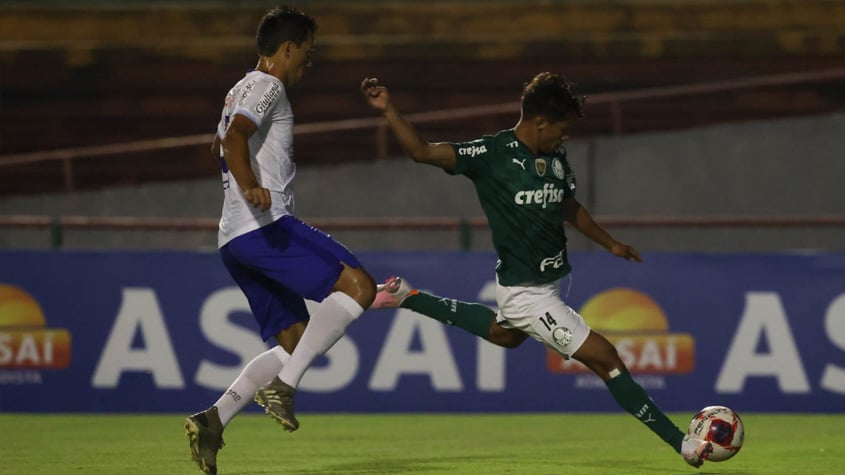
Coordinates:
<point>549,321</point>
<point>562,336</point>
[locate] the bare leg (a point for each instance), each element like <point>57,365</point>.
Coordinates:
<point>505,337</point>
<point>353,292</point>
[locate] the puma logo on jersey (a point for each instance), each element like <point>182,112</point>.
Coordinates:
<point>520,162</point>
<point>472,150</point>
<point>544,196</point>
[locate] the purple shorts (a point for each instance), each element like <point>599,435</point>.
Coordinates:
<point>279,264</point>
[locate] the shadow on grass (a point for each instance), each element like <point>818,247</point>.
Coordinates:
<point>402,465</point>
<point>379,466</point>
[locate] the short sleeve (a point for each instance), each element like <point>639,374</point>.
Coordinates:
<point>260,98</point>
<point>472,158</point>
<point>568,176</point>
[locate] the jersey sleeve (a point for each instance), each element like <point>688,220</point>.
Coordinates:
<point>259,99</point>
<point>473,158</point>
<point>568,176</point>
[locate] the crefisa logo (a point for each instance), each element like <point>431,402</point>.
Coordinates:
<point>639,329</point>
<point>26,344</point>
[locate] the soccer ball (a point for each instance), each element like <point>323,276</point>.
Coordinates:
<point>722,427</point>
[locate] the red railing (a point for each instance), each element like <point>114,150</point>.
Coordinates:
<point>614,99</point>
<point>59,224</point>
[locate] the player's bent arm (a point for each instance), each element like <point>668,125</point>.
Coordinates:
<point>236,151</point>
<point>236,154</point>
<point>579,217</point>
<point>439,154</point>
<point>583,221</point>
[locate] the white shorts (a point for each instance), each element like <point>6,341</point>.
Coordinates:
<point>539,311</point>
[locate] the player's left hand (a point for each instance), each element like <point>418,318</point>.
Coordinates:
<point>626,252</point>
<point>376,94</point>
<point>259,198</point>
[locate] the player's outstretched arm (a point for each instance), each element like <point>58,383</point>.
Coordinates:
<point>583,221</point>
<point>440,155</point>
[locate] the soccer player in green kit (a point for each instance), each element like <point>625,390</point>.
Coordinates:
<point>526,188</point>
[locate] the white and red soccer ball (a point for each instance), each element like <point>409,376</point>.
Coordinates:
<point>722,427</point>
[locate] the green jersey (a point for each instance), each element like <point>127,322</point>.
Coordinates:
<point>521,194</point>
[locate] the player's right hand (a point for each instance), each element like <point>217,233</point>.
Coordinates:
<point>258,198</point>
<point>625,251</point>
<point>376,95</point>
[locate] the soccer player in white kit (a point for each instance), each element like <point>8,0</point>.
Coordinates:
<point>527,189</point>
<point>276,259</point>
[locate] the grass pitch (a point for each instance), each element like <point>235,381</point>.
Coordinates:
<point>419,444</point>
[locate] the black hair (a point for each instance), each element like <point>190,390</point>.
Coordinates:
<point>281,24</point>
<point>552,96</point>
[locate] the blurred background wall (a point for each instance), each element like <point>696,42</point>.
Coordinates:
<point>106,109</point>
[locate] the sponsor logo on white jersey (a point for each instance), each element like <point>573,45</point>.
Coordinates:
<point>268,98</point>
<point>245,92</point>
<point>472,150</point>
<point>555,261</point>
<point>543,196</point>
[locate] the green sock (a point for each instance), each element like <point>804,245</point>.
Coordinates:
<point>472,317</point>
<point>634,399</point>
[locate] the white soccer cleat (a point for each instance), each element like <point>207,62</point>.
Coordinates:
<point>695,451</point>
<point>392,293</point>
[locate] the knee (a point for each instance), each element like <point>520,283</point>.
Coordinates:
<point>358,284</point>
<point>599,355</point>
<point>606,356</point>
<point>367,294</point>
<point>611,358</point>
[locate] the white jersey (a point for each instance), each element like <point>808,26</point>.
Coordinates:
<point>260,98</point>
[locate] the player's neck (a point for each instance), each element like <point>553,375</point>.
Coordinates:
<point>271,66</point>
<point>526,134</point>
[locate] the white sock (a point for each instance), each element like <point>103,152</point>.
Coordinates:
<point>258,372</point>
<point>282,355</point>
<point>327,325</point>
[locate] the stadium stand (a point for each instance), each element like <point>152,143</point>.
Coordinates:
<point>129,72</point>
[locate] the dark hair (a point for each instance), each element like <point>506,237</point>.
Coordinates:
<point>552,96</point>
<point>281,24</point>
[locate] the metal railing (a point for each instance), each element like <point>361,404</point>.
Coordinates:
<point>614,99</point>
<point>58,225</point>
